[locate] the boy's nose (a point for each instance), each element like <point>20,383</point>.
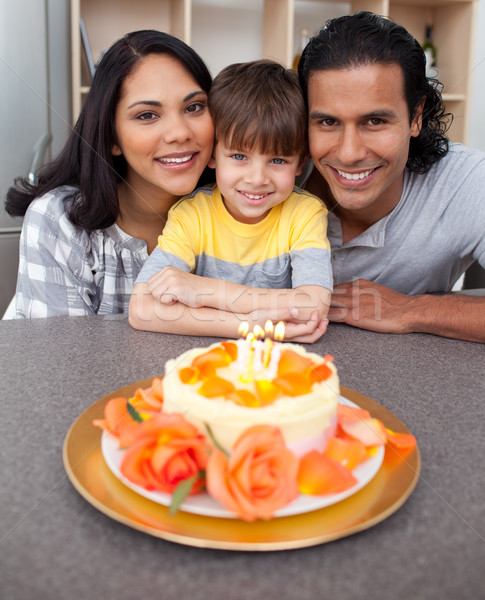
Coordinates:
<point>256,175</point>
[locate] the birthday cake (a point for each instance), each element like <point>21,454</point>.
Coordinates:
<point>230,386</point>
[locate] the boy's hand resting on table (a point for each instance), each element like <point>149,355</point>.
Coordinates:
<point>171,285</point>
<point>303,323</point>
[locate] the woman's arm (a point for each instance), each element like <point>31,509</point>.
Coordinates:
<point>54,277</point>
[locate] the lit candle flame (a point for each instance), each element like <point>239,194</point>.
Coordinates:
<point>279,332</point>
<point>243,329</point>
<point>268,328</point>
<point>258,331</point>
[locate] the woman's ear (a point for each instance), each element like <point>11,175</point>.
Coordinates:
<point>212,162</point>
<point>116,150</point>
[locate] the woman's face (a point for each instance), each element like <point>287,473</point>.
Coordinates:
<point>163,127</point>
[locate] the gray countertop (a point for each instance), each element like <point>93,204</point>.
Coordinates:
<point>55,545</point>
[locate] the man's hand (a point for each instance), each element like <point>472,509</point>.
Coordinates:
<point>372,306</point>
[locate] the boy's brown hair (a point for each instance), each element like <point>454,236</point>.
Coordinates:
<point>260,104</point>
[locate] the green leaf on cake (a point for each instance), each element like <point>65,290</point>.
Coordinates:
<point>214,441</point>
<point>181,492</point>
<point>134,414</point>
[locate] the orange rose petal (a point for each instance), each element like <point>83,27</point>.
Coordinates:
<point>217,476</point>
<point>348,452</point>
<point>319,475</point>
<point>244,398</point>
<point>231,349</point>
<point>401,440</point>
<point>346,413</point>
<point>150,398</point>
<point>319,373</point>
<point>292,362</point>
<point>293,384</point>
<point>216,386</point>
<point>189,375</point>
<point>371,432</point>
<point>267,391</point>
<point>117,420</point>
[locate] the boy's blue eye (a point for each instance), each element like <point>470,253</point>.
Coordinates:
<point>278,161</point>
<point>238,156</point>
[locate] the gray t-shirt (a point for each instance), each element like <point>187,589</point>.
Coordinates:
<point>435,232</point>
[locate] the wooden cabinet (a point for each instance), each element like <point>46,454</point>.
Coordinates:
<point>453,30</point>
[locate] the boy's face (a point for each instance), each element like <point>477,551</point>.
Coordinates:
<point>252,183</point>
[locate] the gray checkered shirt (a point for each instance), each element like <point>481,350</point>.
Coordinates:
<point>65,271</point>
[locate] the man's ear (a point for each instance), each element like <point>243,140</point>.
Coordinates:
<point>417,122</point>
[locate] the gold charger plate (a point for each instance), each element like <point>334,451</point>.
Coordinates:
<point>381,497</point>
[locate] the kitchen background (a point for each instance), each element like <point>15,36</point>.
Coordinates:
<point>36,94</point>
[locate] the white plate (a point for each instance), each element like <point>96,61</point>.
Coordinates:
<point>203,504</point>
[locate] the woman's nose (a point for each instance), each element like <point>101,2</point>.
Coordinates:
<point>176,130</point>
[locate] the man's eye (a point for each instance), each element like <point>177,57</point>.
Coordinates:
<point>328,122</point>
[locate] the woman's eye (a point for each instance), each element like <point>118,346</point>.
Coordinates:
<point>195,107</point>
<point>146,116</point>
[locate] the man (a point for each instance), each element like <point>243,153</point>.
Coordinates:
<point>407,206</point>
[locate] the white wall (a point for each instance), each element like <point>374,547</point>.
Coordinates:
<point>477,115</point>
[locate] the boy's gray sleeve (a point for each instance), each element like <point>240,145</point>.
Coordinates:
<point>158,260</point>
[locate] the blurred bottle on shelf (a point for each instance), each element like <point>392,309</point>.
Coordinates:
<point>430,52</point>
<point>304,37</point>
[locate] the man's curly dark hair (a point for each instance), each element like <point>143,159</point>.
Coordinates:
<point>366,38</point>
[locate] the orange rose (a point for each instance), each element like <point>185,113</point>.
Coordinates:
<point>258,478</point>
<point>166,451</point>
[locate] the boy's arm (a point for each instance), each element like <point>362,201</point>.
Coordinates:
<point>172,285</point>
<point>148,314</point>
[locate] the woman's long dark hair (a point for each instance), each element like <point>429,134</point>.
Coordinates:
<point>366,38</point>
<point>86,161</point>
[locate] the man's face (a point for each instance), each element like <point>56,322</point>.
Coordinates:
<point>359,135</point>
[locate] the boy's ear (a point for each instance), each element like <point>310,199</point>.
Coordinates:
<point>302,162</point>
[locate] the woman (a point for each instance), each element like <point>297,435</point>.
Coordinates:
<point>142,140</point>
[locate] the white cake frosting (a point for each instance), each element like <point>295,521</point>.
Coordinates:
<point>306,421</point>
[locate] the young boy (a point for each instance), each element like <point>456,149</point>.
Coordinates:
<point>252,247</point>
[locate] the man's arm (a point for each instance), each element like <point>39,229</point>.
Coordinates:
<point>369,305</point>
<point>149,314</point>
